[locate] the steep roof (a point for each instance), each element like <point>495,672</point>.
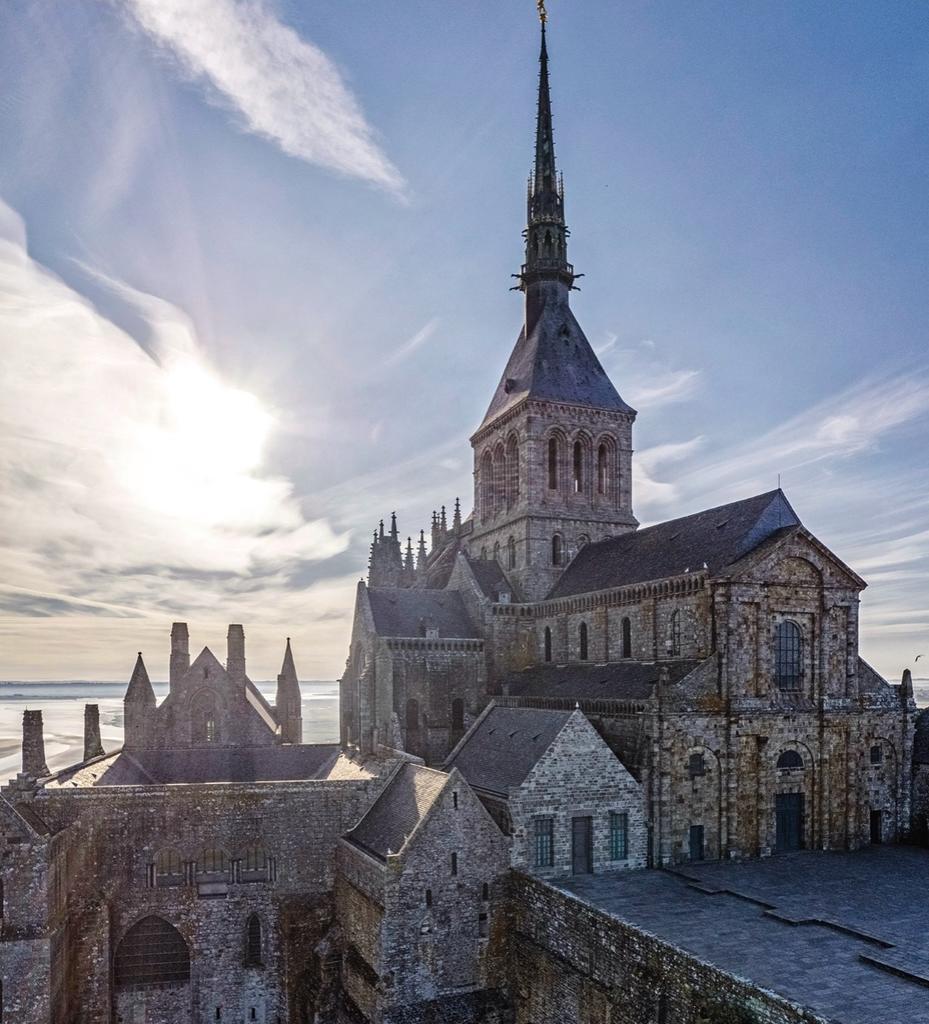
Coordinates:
<point>406,612</point>
<point>490,577</point>
<point>504,745</point>
<point>402,805</point>
<point>140,689</point>
<point>554,362</point>
<point>714,539</point>
<point>621,680</point>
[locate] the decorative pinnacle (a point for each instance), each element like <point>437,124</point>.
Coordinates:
<point>543,14</point>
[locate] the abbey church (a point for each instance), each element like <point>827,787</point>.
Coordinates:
<point>587,772</point>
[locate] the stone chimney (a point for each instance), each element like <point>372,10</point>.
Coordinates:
<point>180,653</point>
<point>93,747</point>
<point>33,745</point>
<point>235,652</point>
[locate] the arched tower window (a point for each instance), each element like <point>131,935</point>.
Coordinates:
<point>788,656</point>
<point>578,464</point>
<point>557,549</point>
<point>511,553</point>
<point>152,952</point>
<point>553,460</point>
<point>674,635</point>
<point>582,641</point>
<point>603,470</point>
<point>458,715</point>
<point>253,941</point>
<point>627,638</point>
<point>512,470</point>
<point>497,551</point>
<point>203,719</point>
<point>547,639</point>
<point>412,715</point>
<point>499,494</point>
<point>487,485</point>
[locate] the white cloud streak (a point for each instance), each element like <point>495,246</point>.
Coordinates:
<point>284,88</point>
<point>419,339</point>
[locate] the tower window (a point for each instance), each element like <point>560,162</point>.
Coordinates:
<point>511,553</point>
<point>557,549</point>
<point>548,644</point>
<point>583,641</point>
<point>454,864</point>
<point>674,636</point>
<point>553,464</point>
<point>627,638</point>
<point>253,941</point>
<point>544,835</point>
<point>603,471</point>
<point>788,659</point>
<point>578,467</point>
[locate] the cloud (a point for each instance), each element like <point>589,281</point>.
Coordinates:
<point>417,341</point>
<point>284,88</point>
<point>663,388</point>
<point>115,459</point>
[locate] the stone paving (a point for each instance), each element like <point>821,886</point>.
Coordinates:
<point>845,935</point>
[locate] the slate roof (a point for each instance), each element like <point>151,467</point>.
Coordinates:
<point>402,612</point>
<point>921,739</point>
<point>554,362</point>
<point>402,805</point>
<point>716,537</point>
<point>620,680</point>
<point>490,577</point>
<point>504,745</point>
<point>870,681</point>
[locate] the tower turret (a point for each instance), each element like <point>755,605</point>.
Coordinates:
<point>180,653</point>
<point>139,705</point>
<point>288,704</point>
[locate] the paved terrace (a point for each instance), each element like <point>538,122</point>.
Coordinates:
<point>845,935</point>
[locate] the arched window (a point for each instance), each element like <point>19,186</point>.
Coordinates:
<point>583,641</point>
<point>603,470</point>
<point>877,754</point>
<point>458,715</point>
<point>627,638</point>
<point>578,470</point>
<point>412,715</point>
<point>790,759</point>
<point>499,496</point>
<point>152,952</point>
<point>788,656</point>
<point>512,470</point>
<point>511,553</point>
<point>487,485</point>
<point>582,541</point>
<point>496,551</point>
<point>674,635</point>
<point>548,644</point>
<point>553,463</point>
<point>212,864</point>
<point>203,717</point>
<point>253,941</point>
<point>557,546</point>
<point>254,863</point>
<point>169,868</point>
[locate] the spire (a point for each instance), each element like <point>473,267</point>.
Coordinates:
<point>140,689</point>
<point>421,553</point>
<point>287,700</point>
<point>546,232</point>
<point>456,518</point>
<point>393,526</point>
<point>409,565</point>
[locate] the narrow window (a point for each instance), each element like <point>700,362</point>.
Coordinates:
<point>877,754</point>
<point>497,551</point>
<point>483,926</point>
<point>578,467</point>
<point>253,942</point>
<point>511,553</point>
<point>674,638</point>
<point>487,485</point>
<point>556,549</point>
<point>512,470</point>
<point>455,799</point>
<point>412,715</point>
<point>548,644</point>
<point>544,842</point>
<point>485,892</point>
<point>553,464</point>
<point>603,479</point>
<point>219,1013</point>
<point>428,897</point>
<point>583,641</point>
<point>619,835</point>
<point>454,863</point>
<point>457,716</point>
<point>627,638</point>
<point>788,661</point>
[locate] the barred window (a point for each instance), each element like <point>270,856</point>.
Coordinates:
<point>788,656</point>
<point>169,868</point>
<point>619,835</point>
<point>544,842</point>
<point>253,941</point>
<point>152,952</point>
<point>675,635</point>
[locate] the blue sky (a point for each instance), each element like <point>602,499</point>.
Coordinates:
<point>254,273</point>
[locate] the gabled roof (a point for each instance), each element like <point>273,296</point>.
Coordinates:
<point>402,805</point>
<point>620,680</point>
<point>207,661</point>
<point>504,745</point>
<point>490,577</point>
<point>706,541</point>
<point>554,362</point>
<point>407,613</point>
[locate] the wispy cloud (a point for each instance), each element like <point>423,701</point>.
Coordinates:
<point>419,339</point>
<point>666,387</point>
<point>284,88</point>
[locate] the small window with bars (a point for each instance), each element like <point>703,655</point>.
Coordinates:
<point>619,835</point>
<point>544,842</point>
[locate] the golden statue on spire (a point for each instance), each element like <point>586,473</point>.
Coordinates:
<point>543,14</point>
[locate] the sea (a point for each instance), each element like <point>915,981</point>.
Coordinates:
<point>62,705</point>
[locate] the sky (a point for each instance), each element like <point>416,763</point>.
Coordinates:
<point>255,263</point>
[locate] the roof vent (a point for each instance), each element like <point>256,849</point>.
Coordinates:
<point>509,385</point>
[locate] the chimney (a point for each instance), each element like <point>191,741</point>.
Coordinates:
<point>93,747</point>
<point>180,653</point>
<point>235,652</point>
<point>33,745</point>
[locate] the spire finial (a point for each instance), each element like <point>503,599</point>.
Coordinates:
<point>543,14</point>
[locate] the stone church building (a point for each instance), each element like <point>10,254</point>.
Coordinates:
<point>538,705</point>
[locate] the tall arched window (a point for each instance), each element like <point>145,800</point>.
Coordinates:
<point>497,551</point>
<point>253,941</point>
<point>788,656</point>
<point>511,553</point>
<point>557,546</point>
<point>458,715</point>
<point>169,868</point>
<point>627,638</point>
<point>499,497</point>
<point>674,635</point>
<point>603,470</point>
<point>578,464</point>
<point>582,638</point>
<point>487,485</point>
<point>548,644</point>
<point>152,952</point>
<point>203,718</point>
<point>512,470</point>
<point>553,463</point>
